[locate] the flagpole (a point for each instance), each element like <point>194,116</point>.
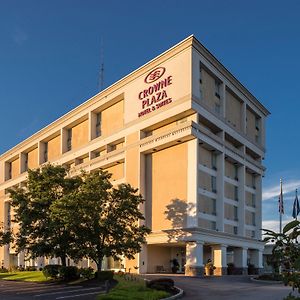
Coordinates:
<point>295,199</point>
<point>280,208</point>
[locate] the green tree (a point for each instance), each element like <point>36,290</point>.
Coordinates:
<point>38,233</point>
<point>286,253</point>
<point>104,220</point>
<point>6,236</point>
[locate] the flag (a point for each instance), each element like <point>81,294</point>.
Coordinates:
<point>296,207</point>
<point>280,200</point>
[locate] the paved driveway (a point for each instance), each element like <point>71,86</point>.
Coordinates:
<point>228,288</point>
<point>14,290</point>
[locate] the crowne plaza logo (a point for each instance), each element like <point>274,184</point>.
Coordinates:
<point>155,74</point>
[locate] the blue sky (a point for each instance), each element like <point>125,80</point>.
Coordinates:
<point>50,61</point>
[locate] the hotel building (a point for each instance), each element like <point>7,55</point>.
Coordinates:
<point>190,136</point>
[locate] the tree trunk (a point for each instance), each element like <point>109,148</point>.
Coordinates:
<point>99,265</point>
<point>63,260</point>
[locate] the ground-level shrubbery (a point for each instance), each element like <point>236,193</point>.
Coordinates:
<point>271,277</point>
<point>132,289</point>
<point>73,273</point>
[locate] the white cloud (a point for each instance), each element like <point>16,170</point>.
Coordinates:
<point>273,224</point>
<point>273,191</point>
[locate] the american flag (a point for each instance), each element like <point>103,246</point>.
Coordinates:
<point>280,200</point>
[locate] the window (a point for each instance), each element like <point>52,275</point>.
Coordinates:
<point>8,214</point>
<point>257,123</point>
<point>45,152</point>
<point>69,139</point>
<point>235,213</point>
<point>235,230</point>
<point>214,161</point>
<point>236,193</point>
<point>253,181</point>
<point>96,154</point>
<point>214,207</point>
<point>98,124</point>
<point>25,162</point>
<point>9,171</point>
<point>236,169</point>
<point>217,108</point>
<point>200,74</point>
<point>213,184</point>
<point>253,218</point>
<point>217,88</point>
<point>253,200</point>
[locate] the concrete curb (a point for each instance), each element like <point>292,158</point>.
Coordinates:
<point>266,281</point>
<point>177,296</point>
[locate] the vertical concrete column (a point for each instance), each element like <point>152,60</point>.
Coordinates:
<point>220,191</point>
<point>240,256</point>
<point>63,140</point>
<point>142,256</point>
<point>6,261</point>
<point>192,179</point>
<point>40,261</point>
<point>263,131</point>
<point>22,162</point>
<point>194,259</point>
<point>219,254</point>
<point>92,126</point>
<point>132,175</point>
<point>258,206</point>
<point>21,259</point>
<point>256,258</point>
<point>241,200</point>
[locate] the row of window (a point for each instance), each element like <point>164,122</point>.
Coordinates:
<point>228,228</point>
<point>211,95</point>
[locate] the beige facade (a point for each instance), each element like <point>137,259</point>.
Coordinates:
<point>185,132</point>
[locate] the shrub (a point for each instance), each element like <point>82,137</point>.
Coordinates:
<point>104,275</point>
<point>271,277</point>
<point>164,284</point>
<point>3,270</point>
<point>51,271</point>
<point>87,273</point>
<point>30,268</point>
<point>68,273</point>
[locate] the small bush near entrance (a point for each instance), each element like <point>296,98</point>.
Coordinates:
<point>271,277</point>
<point>68,273</point>
<point>31,268</point>
<point>104,275</point>
<point>51,271</point>
<point>162,284</point>
<point>87,273</point>
<point>3,270</point>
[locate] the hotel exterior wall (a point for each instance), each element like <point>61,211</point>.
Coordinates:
<point>134,130</point>
<point>168,188</point>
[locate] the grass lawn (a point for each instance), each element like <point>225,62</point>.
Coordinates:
<point>128,290</point>
<point>33,276</point>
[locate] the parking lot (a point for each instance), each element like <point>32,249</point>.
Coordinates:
<point>14,290</point>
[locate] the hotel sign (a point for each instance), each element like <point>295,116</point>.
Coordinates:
<point>155,93</point>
